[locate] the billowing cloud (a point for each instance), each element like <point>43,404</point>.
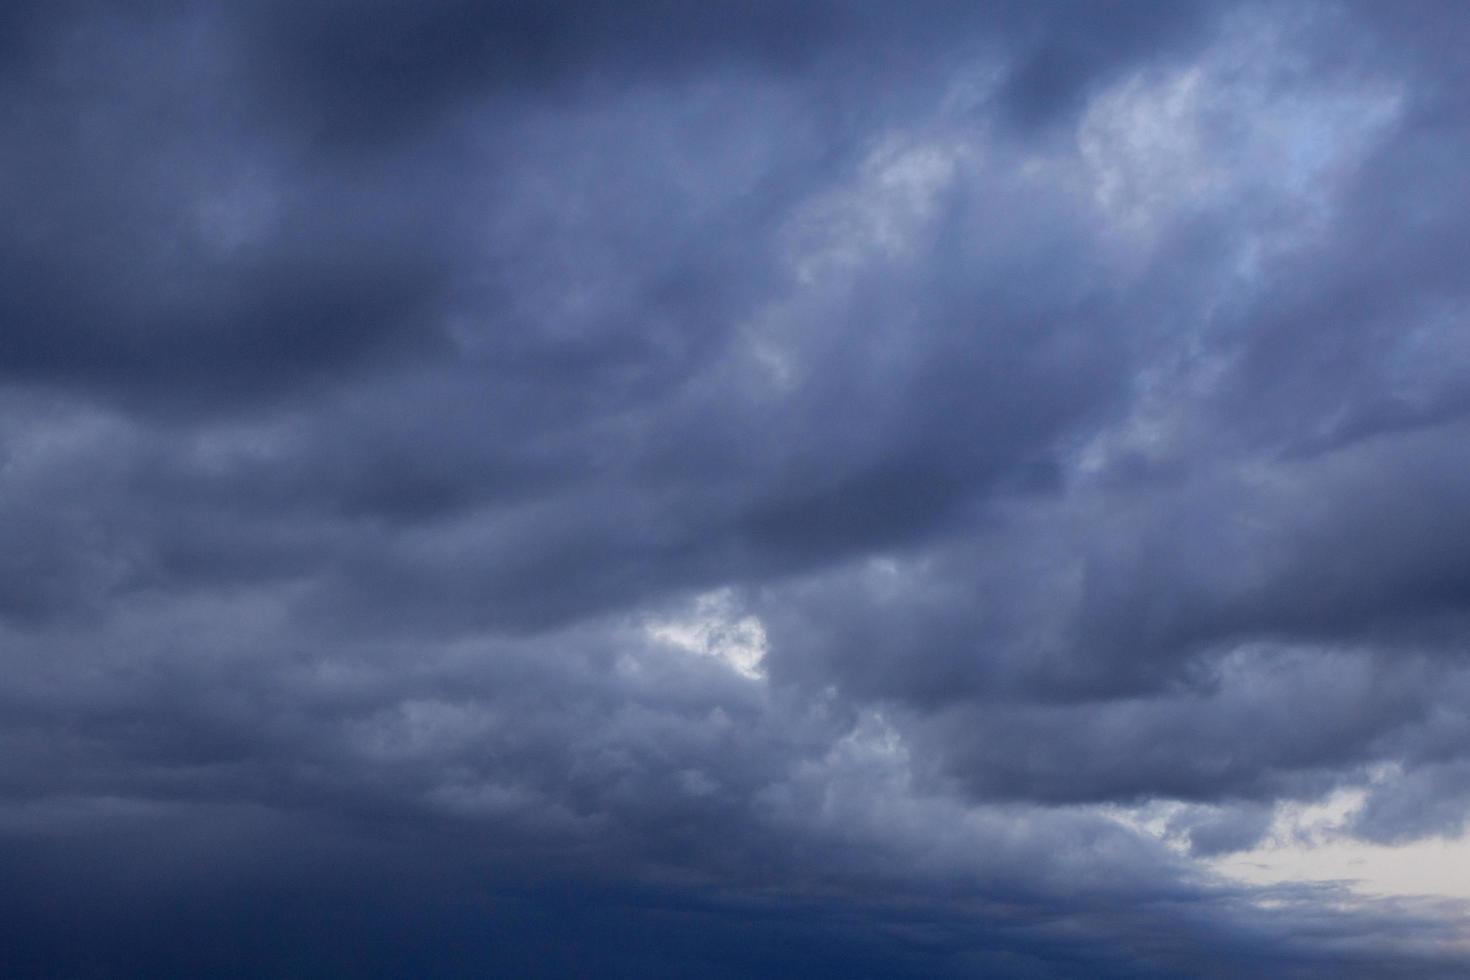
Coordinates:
<point>742,490</point>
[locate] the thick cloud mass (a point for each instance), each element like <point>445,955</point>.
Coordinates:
<point>727,490</point>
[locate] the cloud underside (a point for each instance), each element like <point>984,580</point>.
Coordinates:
<point>662,489</point>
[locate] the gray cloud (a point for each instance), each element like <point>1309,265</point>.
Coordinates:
<point>416,422</point>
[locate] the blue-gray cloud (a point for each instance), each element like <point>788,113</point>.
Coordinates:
<point>417,421</point>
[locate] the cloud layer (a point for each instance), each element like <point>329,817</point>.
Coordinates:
<point>666,489</point>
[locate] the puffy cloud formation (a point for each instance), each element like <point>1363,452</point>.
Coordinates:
<point>673,489</point>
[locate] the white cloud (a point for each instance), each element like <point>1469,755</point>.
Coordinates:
<point>715,628</point>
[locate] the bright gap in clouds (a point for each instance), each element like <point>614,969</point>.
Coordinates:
<point>715,628</point>
<point>1307,843</point>
<point>1311,843</point>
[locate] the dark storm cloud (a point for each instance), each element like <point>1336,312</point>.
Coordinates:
<point>163,244</point>
<point>415,420</point>
<point>167,176</point>
<point>374,72</point>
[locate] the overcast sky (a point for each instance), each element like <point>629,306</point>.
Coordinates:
<point>720,490</point>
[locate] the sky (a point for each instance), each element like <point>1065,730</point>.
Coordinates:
<point>658,489</point>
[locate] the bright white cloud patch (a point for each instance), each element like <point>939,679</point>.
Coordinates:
<point>716,628</point>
